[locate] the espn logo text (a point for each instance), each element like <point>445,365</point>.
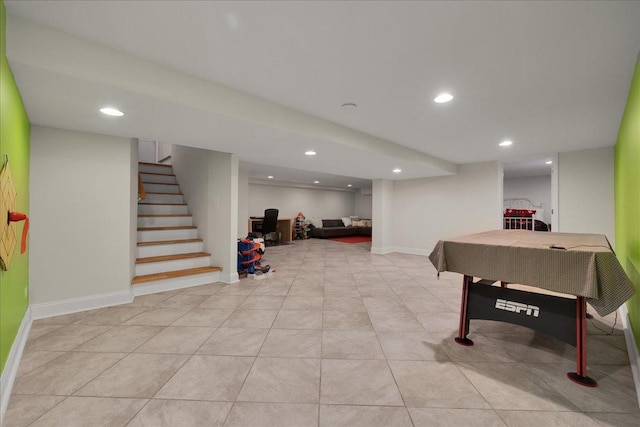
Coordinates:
<point>517,307</point>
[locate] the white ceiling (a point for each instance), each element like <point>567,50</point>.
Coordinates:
<point>266,80</point>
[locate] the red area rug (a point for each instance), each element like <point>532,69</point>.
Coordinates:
<point>352,239</point>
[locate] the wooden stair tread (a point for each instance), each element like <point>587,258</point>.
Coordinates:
<point>158,174</point>
<point>176,227</point>
<point>161,258</point>
<point>154,164</point>
<point>158,183</point>
<point>169,242</point>
<point>172,274</point>
<point>146,183</point>
<point>168,194</point>
<point>161,215</point>
<point>160,204</point>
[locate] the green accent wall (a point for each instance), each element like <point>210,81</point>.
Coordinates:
<point>14,141</point>
<point>627,197</point>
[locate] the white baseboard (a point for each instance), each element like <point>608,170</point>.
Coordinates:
<point>174,284</point>
<point>11,367</point>
<point>233,278</point>
<point>74,305</point>
<point>632,348</point>
<point>380,251</point>
<point>154,288</point>
<point>412,251</point>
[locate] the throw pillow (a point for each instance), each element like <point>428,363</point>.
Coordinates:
<point>316,222</point>
<point>346,221</point>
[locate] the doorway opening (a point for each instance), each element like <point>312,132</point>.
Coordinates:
<point>531,184</point>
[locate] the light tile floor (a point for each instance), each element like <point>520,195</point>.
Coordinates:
<point>336,337</point>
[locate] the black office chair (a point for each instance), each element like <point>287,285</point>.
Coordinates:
<point>269,225</point>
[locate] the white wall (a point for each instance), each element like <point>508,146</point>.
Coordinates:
<point>382,216</point>
<point>289,201</point>
<point>133,208</point>
<point>191,169</point>
<point>243,202</point>
<point>223,213</point>
<point>147,151</point>
<point>81,215</point>
<point>363,204</point>
<point>209,182</point>
<point>430,209</point>
<point>535,188</point>
<point>163,151</point>
<point>585,192</point>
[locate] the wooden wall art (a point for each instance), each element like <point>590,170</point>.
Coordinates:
<point>9,217</point>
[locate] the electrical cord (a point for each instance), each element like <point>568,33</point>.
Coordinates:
<point>564,248</point>
<point>615,322</point>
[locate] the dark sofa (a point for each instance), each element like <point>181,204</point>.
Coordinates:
<point>336,228</point>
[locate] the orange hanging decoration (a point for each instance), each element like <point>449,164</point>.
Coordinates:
<point>16,217</point>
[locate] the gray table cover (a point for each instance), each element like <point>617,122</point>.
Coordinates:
<point>586,267</point>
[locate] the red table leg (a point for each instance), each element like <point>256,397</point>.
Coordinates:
<point>463,328</point>
<point>580,377</point>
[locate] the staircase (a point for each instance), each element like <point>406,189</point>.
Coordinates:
<point>169,252</point>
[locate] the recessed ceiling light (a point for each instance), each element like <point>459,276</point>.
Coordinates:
<point>349,105</point>
<point>316,182</point>
<point>109,111</point>
<point>270,177</point>
<point>349,185</point>
<point>505,143</point>
<point>310,153</point>
<point>443,97</point>
<point>397,170</point>
<point>548,162</point>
